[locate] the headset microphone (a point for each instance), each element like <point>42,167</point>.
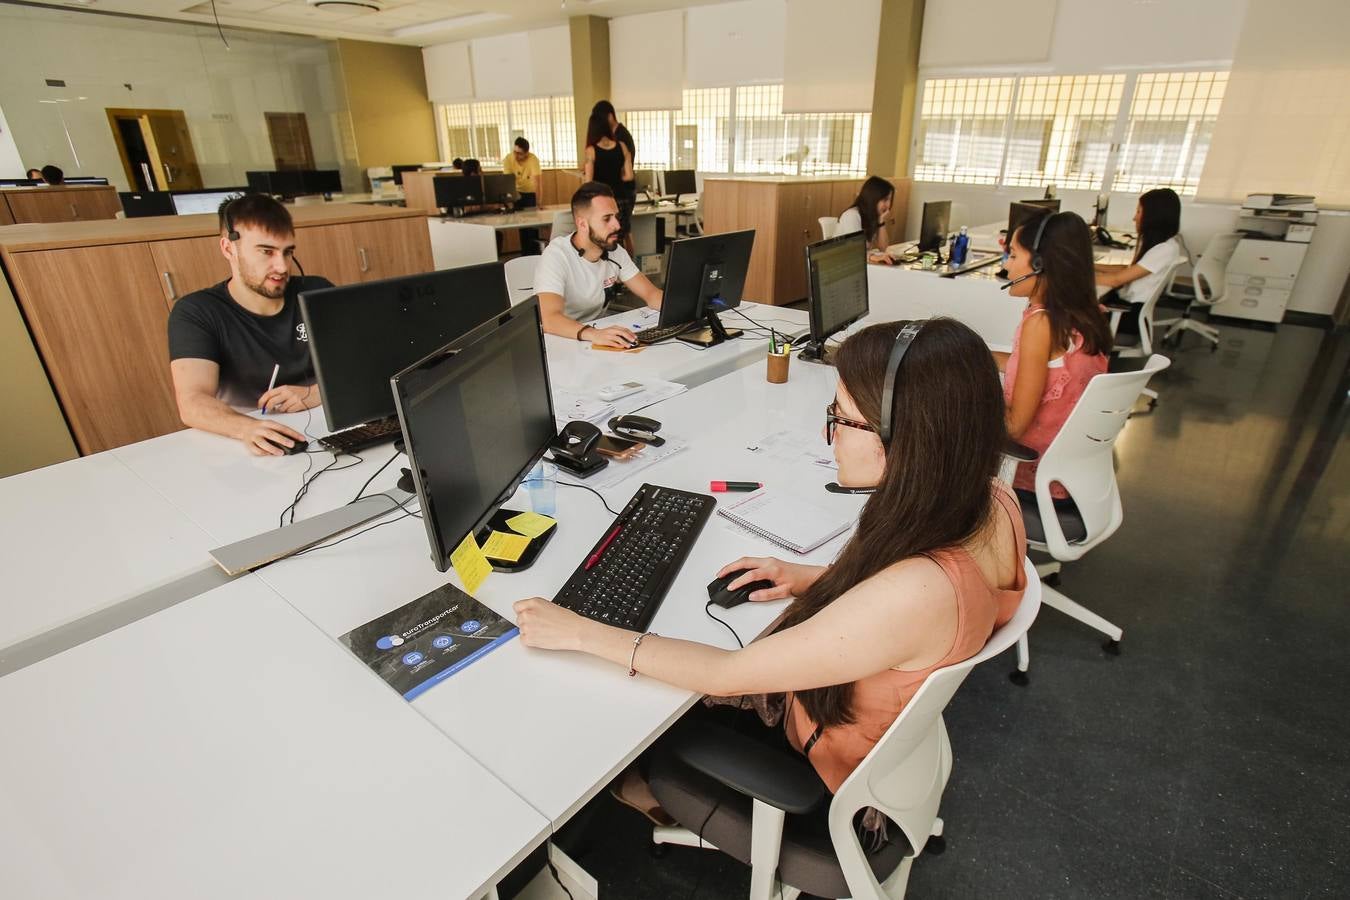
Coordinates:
<point>1037,264</point>
<point>835,487</point>
<point>1018,280</point>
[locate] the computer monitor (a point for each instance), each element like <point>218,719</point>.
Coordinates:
<point>187,203</point>
<point>933,227</point>
<point>704,275</point>
<point>19,182</point>
<point>259,182</point>
<point>680,181</point>
<point>1051,204</point>
<point>399,170</point>
<point>1019,214</point>
<point>321,181</point>
<point>500,189</point>
<point>644,180</point>
<point>361,334</point>
<point>477,415</point>
<point>138,205</point>
<point>836,271</point>
<point>84,179</point>
<point>457,191</point>
<point>288,183</point>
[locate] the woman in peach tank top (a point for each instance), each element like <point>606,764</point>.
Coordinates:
<point>933,566</point>
<point>1063,338</point>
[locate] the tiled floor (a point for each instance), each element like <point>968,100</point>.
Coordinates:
<point>1212,757</point>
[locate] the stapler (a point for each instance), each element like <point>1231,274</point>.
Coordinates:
<point>637,428</point>
<point>574,449</point>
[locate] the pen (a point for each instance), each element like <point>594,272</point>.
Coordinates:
<point>722,487</point>
<point>773,341</point>
<point>276,367</point>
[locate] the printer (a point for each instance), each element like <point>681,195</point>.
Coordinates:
<point>1275,231</point>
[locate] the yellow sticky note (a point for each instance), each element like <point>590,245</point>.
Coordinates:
<point>531,524</point>
<point>505,546</point>
<point>470,564</point>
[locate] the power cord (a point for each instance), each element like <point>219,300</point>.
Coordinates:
<point>708,609</point>
<point>325,546</point>
<point>307,480</point>
<point>373,477</point>
<point>593,491</point>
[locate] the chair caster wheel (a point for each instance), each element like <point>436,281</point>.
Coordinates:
<point>1112,648</point>
<point>659,851</point>
<point>1213,347</point>
<point>1019,678</point>
<point>937,845</point>
<point>1052,579</point>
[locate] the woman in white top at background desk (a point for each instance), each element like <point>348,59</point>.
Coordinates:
<point>868,215</point>
<point>1157,222</point>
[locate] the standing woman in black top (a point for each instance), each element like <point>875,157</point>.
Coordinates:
<point>608,156</point>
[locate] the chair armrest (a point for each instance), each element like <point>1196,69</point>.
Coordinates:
<point>1114,303</point>
<point>748,766</point>
<point>1019,452</point>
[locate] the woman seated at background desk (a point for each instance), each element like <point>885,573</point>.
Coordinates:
<point>1063,338</point>
<point>1157,222</point>
<point>933,567</point>
<point>868,215</point>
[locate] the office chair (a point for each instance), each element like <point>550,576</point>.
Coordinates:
<point>1080,459</point>
<point>828,224</point>
<point>767,808</point>
<point>520,277</point>
<point>1208,283</point>
<point>1131,347</point>
<point>563,223</point>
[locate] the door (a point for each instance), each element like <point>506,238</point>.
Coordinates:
<point>686,146</point>
<point>156,149</point>
<point>289,134</point>
<point>99,319</point>
<point>330,251</point>
<point>188,265</point>
<point>140,167</point>
<point>177,158</point>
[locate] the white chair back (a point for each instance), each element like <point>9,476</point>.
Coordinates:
<point>828,224</point>
<point>563,223</point>
<point>1080,459</point>
<point>1211,269</point>
<point>1145,347</point>
<point>520,277</point>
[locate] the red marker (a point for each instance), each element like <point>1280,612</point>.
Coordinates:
<point>600,551</point>
<point>722,487</point>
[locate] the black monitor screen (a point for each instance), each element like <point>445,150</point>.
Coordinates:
<point>19,182</point>
<point>936,222</point>
<point>499,188</point>
<point>644,180</point>
<point>399,170</point>
<point>1052,205</point>
<point>361,334</point>
<point>1020,214</point>
<point>724,258</point>
<point>321,181</point>
<point>837,270</point>
<point>681,181</point>
<point>85,179</point>
<point>147,203</point>
<point>476,416</point>
<point>259,182</point>
<point>458,190</point>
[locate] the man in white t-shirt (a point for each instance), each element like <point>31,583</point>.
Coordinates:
<point>577,270</point>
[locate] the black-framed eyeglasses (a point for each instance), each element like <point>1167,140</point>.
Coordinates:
<point>832,419</point>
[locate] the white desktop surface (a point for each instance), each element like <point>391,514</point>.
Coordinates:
<point>898,293</point>
<point>556,727</point>
<point>226,748</point>
<point>81,536</point>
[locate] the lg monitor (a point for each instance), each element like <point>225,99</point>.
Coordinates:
<point>321,181</point>
<point>933,227</point>
<point>458,191</point>
<point>680,181</point>
<point>836,271</point>
<point>360,335</point>
<point>476,414</point>
<point>703,276</point>
<point>138,205</point>
<point>399,170</point>
<point>187,203</point>
<point>500,189</point>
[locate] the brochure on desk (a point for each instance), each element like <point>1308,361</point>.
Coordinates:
<point>422,643</point>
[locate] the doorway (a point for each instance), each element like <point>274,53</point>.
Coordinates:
<point>156,149</point>
<point>289,134</point>
<point>686,146</point>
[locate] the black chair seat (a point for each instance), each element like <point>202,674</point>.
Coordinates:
<point>722,816</point>
<point>1070,520</point>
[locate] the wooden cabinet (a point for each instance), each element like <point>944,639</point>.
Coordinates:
<point>6,217</point>
<point>76,203</point>
<point>97,296</point>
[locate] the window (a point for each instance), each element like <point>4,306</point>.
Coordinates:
<point>1072,131</point>
<point>491,126</point>
<point>486,130</point>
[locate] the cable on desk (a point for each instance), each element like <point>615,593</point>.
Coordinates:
<point>708,609</point>
<point>373,477</point>
<point>554,869</point>
<point>593,491</point>
<point>307,480</point>
<point>406,514</point>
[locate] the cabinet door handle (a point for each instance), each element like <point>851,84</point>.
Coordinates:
<point>361,255</point>
<point>168,174</point>
<point>168,283</point>
<point>75,213</point>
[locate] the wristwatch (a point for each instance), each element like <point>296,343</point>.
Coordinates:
<point>581,331</point>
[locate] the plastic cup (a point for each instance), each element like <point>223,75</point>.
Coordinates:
<point>542,483</point>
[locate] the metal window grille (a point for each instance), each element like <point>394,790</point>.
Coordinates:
<point>457,125</point>
<point>1061,130</point>
<point>564,135</point>
<point>490,130</point>
<point>486,130</point>
<point>533,120</point>
<point>1171,121</point>
<point>651,133</point>
<point>701,130</point>
<point>962,129</point>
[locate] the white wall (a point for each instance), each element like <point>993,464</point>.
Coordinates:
<point>223,93</point>
<point>11,162</point>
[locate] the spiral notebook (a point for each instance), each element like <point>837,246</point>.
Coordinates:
<point>789,522</point>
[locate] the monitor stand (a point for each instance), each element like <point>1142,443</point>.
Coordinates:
<point>815,352</point>
<point>710,299</point>
<point>711,334</point>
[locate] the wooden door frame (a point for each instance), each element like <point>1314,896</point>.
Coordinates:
<point>142,119</point>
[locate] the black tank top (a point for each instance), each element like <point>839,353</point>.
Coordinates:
<point>609,165</point>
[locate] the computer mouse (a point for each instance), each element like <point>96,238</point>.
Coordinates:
<point>720,596</point>
<point>300,446</point>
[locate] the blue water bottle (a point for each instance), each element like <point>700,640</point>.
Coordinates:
<point>960,247</point>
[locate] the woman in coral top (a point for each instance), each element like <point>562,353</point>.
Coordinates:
<point>1063,338</point>
<point>933,567</point>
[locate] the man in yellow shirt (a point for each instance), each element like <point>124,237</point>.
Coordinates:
<point>523,164</point>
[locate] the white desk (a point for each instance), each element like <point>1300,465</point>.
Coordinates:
<point>224,748</point>
<point>82,536</point>
<point>898,293</point>
<point>542,216</point>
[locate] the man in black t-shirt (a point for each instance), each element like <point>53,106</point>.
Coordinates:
<point>225,341</point>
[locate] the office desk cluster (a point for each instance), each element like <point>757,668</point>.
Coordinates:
<point>171,731</point>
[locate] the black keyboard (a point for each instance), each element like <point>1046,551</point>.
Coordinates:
<point>626,575</point>
<point>662,332</point>
<point>380,431</point>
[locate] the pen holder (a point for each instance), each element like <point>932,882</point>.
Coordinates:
<point>778,368</point>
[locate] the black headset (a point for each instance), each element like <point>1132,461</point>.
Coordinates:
<point>1037,264</point>
<point>907,334</point>
<point>581,251</point>
<point>232,233</point>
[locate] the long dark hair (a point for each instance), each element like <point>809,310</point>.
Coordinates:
<point>873,191</point>
<point>936,490</point>
<point>1066,285</point>
<point>597,127</point>
<point>1161,220</point>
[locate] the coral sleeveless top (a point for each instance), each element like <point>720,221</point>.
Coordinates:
<point>879,699</point>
